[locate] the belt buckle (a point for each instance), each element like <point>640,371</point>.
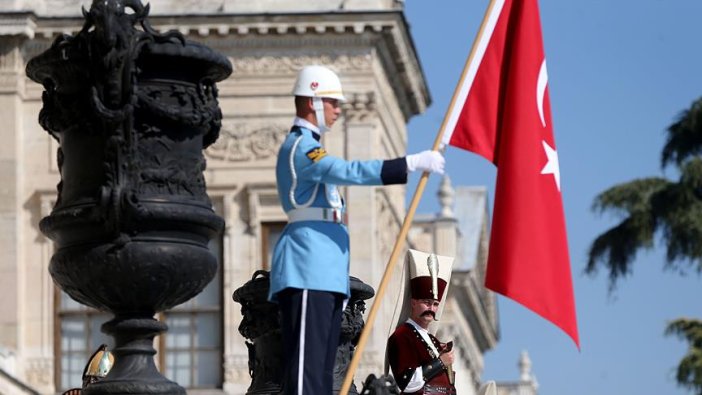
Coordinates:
<point>336,215</point>
<point>333,215</point>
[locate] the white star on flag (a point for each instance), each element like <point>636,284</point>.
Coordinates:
<point>552,166</point>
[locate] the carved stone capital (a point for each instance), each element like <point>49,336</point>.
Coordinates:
<point>360,106</point>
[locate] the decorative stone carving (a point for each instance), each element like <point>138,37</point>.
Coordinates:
<point>242,142</point>
<point>525,367</point>
<point>359,106</point>
<point>291,64</point>
<point>188,7</point>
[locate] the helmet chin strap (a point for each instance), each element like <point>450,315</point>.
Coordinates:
<point>318,106</point>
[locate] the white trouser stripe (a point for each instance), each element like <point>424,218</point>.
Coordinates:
<point>301,361</point>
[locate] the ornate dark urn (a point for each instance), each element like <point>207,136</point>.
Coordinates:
<point>261,327</point>
<point>132,110</point>
<point>351,327</point>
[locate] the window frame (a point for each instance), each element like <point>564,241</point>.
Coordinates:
<point>267,228</point>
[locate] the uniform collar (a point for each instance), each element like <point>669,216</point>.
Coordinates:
<point>416,325</point>
<point>431,347</point>
<point>303,123</point>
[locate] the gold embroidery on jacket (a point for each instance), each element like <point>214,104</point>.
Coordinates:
<point>317,154</point>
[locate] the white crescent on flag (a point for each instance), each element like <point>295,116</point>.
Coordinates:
<point>541,85</point>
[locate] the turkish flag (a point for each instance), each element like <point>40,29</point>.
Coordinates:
<point>501,111</point>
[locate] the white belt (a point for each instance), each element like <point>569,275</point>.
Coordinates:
<point>316,214</point>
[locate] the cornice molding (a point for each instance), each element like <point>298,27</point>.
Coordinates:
<point>71,8</point>
<point>223,25</point>
<point>18,24</point>
<point>254,37</point>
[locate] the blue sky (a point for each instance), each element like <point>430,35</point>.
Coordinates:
<point>620,72</point>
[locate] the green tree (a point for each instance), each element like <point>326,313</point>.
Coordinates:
<point>689,373</point>
<point>671,211</point>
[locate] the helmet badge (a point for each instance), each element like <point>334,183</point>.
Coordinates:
<point>314,85</point>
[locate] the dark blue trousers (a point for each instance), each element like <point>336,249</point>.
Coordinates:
<point>310,323</point>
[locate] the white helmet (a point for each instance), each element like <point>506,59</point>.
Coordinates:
<point>318,81</point>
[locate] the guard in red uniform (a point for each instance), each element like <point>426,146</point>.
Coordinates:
<point>421,363</point>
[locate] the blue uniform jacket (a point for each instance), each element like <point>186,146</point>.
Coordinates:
<point>315,254</point>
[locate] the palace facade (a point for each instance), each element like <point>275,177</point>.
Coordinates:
<point>46,338</point>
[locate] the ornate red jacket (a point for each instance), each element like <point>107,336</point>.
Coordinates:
<point>407,351</point>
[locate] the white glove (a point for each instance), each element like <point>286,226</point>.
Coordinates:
<point>431,161</point>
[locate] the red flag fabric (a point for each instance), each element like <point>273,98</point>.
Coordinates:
<point>501,111</point>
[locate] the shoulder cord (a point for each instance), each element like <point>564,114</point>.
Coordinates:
<point>294,180</point>
<point>336,204</point>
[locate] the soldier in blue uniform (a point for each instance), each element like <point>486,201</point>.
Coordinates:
<point>310,269</point>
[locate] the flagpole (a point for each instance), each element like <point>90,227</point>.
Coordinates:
<point>400,241</point>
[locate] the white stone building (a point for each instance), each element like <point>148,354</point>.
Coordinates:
<point>526,385</point>
<point>45,338</point>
